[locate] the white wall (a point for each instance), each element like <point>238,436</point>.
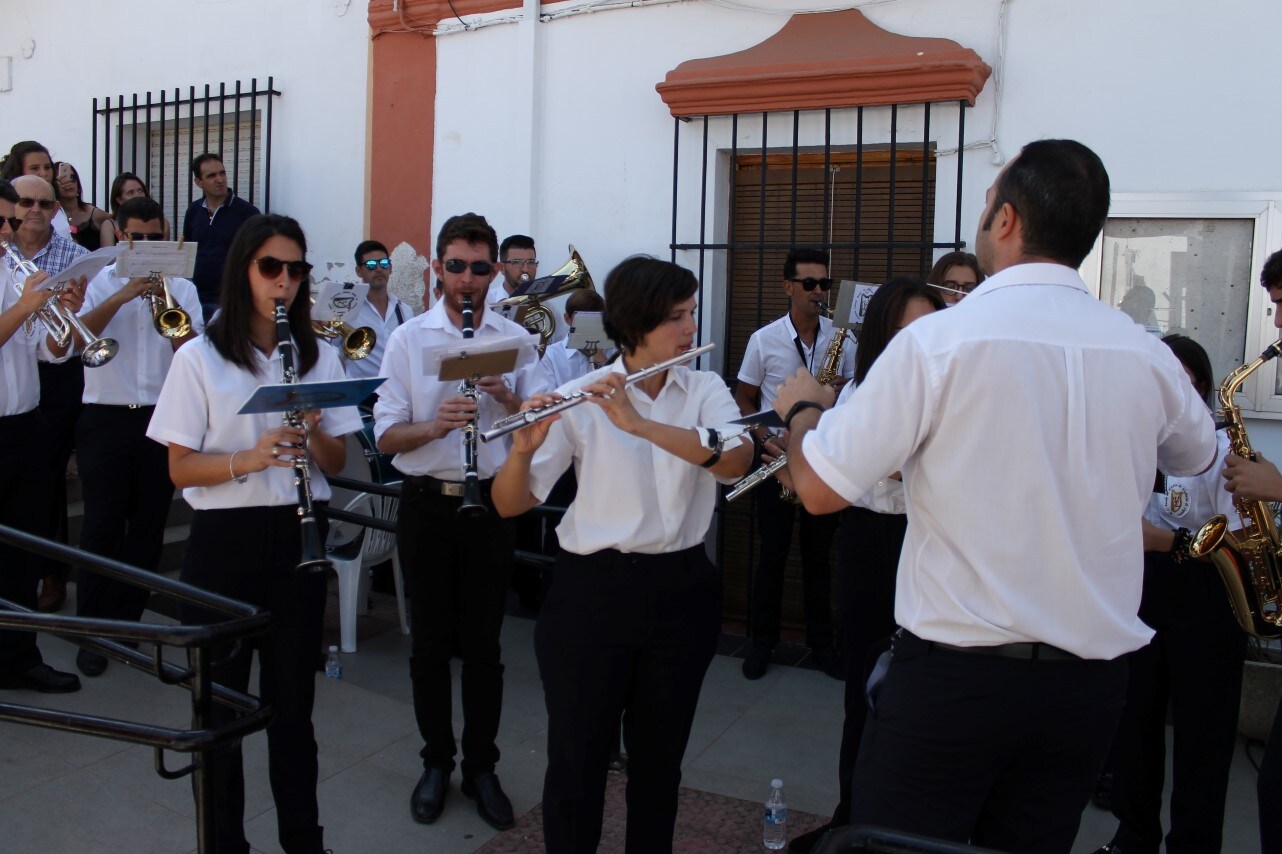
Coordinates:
<point>1174,96</point>
<point>316,51</point>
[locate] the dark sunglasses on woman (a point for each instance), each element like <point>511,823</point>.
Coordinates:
<point>271,267</point>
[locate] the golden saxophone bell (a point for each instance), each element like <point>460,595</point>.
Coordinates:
<point>532,313</point>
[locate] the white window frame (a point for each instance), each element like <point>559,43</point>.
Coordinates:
<point>1265,208</point>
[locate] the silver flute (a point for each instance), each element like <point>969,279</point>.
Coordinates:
<point>758,477</point>
<point>539,413</point>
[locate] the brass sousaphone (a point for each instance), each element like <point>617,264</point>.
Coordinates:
<point>532,313</point>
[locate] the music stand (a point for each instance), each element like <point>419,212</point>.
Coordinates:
<point>469,358</point>
<point>329,394</point>
<point>469,366</point>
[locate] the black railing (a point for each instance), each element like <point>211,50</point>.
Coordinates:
<point>133,134</point>
<point>103,636</point>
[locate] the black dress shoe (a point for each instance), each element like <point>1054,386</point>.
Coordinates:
<point>90,663</point>
<point>44,679</point>
<point>428,798</point>
<point>754,666</point>
<point>491,804</point>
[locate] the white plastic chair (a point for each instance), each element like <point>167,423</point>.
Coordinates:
<point>352,566</point>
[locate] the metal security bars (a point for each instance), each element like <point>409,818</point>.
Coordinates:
<point>156,136</point>
<point>857,182</point>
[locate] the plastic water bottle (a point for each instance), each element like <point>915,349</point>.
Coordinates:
<point>333,664</point>
<point>774,834</point>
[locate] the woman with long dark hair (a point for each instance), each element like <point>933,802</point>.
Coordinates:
<point>869,540</point>
<point>633,613</point>
<point>237,472</point>
<point>124,187</point>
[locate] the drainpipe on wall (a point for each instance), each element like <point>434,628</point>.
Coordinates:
<point>528,103</point>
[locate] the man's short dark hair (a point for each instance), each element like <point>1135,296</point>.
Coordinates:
<point>584,300</point>
<point>1271,275</point>
<point>8,193</point>
<point>200,160</point>
<point>639,295</point>
<point>140,208</point>
<point>515,241</point>
<point>367,246</point>
<point>804,255</point>
<point>470,228</point>
<point>1059,188</point>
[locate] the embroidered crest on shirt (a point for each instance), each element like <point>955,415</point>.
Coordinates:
<point>1177,501</point>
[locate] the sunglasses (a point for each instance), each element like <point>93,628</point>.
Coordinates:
<point>271,267</point>
<point>136,236</point>
<point>809,285</point>
<point>372,264</point>
<point>458,265</point>
<point>43,204</point>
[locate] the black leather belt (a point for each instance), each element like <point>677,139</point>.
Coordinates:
<point>448,488</point>
<point>1022,651</point>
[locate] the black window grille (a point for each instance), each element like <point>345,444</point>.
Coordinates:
<point>866,194</point>
<point>156,136</point>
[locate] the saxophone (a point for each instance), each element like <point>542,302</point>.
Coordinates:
<point>1248,563</point>
<point>829,370</point>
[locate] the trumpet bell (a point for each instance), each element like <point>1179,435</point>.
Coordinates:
<point>173,323</point>
<point>99,352</point>
<point>359,342</point>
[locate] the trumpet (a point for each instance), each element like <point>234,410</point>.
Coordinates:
<point>357,342</point>
<point>540,413</point>
<point>60,323</point>
<point>166,315</point>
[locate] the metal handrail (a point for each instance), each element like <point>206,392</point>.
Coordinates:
<point>201,737</point>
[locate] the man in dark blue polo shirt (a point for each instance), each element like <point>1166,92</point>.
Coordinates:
<point>212,221</point>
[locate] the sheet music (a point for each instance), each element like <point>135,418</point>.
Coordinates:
<point>164,257</point>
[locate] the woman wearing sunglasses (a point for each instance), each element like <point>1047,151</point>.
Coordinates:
<point>632,617</point>
<point>236,471</point>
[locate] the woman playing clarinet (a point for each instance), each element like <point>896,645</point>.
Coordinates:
<point>245,542</point>
<point>631,620</point>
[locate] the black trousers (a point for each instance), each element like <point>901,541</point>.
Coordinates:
<point>458,569</point>
<point>774,521</point>
<point>24,491</point>
<point>868,547</point>
<point>127,492</point>
<point>62,386</point>
<point>1269,790</point>
<point>630,635</point>
<point>250,554</point>
<point>999,751</point>
<point>1194,663</point>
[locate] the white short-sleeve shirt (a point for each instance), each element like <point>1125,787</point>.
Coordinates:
<point>198,409</point>
<point>633,495</point>
<point>20,392</point>
<point>137,372</point>
<point>398,312</point>
<point>775,351</point>
<point>1028,421</point>
<point>1188,502</point>
<point>410,395</point>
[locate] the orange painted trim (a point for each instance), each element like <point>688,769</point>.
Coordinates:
<point>818,61</point>
<point>402,131</point>
<point>422,15</point>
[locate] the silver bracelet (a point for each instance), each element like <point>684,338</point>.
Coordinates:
<point>231,469</point>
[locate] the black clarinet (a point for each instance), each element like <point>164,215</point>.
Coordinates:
<point>313,556</point>
<point>472,504</point>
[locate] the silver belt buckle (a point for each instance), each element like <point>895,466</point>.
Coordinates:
<point>451,488</point>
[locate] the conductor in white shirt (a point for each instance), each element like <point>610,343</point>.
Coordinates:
<point>1027,421</point>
